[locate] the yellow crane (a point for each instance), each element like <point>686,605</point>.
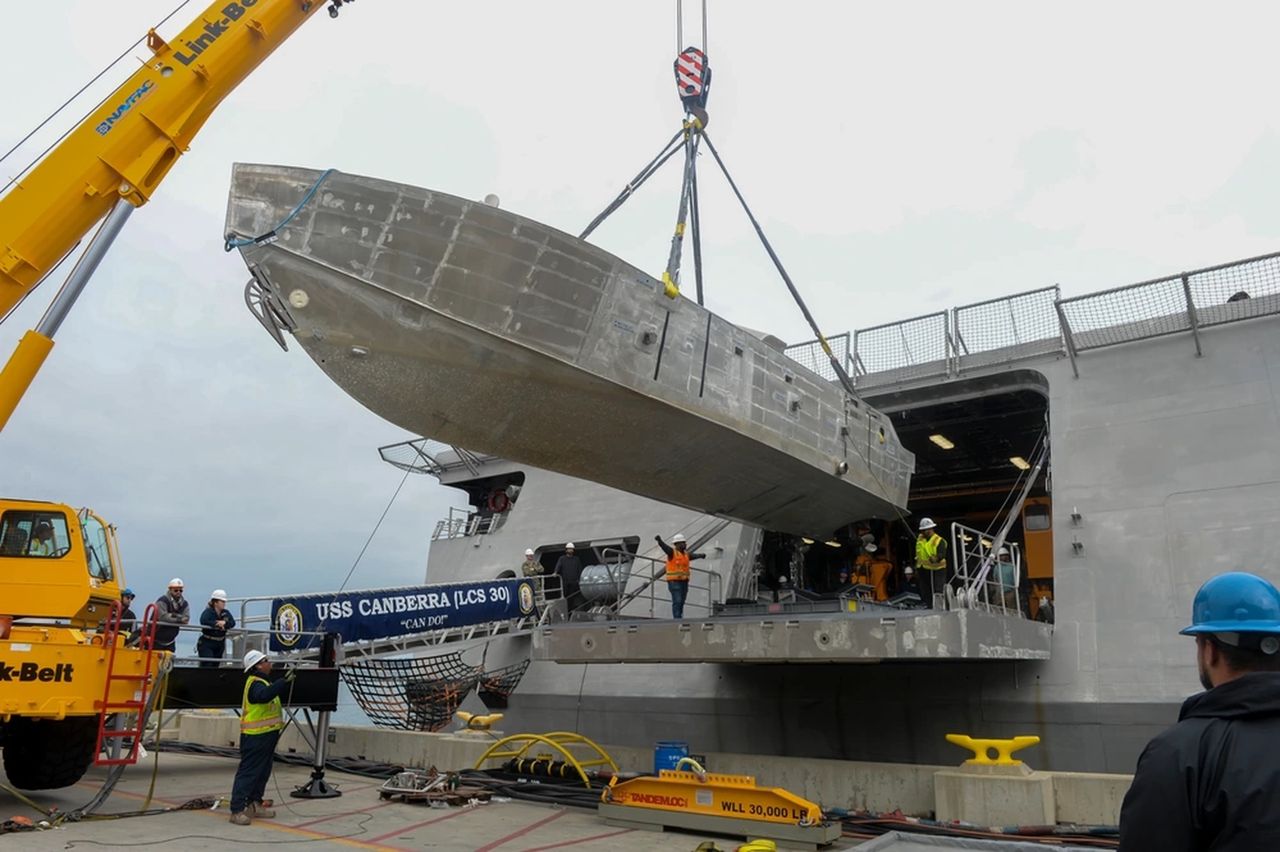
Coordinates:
<point>116,158</point>
<point>66,666</point>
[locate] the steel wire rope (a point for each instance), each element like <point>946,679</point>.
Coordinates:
<point>845,382</point>
<point>777,263</point>
<point>704,27</point>
<point>695,235</point>
<point>71,100</point>
<point>667,152</point>
<point>372,533</point>
<point>1040,457</point>
<point>680,26</point>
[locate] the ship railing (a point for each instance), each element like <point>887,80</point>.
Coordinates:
<point>1039,322</point>
<point>427,455</point>
<point>1186,302</point>
<point>239,640</point>
<point>464,523</point>
<point>978,583</point>
<point>657,572</point>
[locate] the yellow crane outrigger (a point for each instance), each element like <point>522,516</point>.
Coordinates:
<point>115,159</point>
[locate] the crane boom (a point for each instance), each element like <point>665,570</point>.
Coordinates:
<point>124,149</point>
<point>114,159</point>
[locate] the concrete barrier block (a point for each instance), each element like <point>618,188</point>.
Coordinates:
<point>1090,798</point>
<point>979,795</point>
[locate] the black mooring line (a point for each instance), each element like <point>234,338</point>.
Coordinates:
<point>706,346</point>
<point>662,342</point>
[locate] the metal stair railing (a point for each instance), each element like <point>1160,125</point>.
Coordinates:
<point>973,585</point>
<point>696,541</point>
<point>713,588</point>
<point>975,556</point>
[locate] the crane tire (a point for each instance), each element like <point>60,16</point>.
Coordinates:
<point>46,754</point>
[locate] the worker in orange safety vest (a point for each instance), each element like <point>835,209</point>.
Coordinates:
<point>678,559</point>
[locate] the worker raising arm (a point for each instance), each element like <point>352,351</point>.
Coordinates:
<point>677,576</point>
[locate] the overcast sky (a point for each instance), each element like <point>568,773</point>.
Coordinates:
<point>903,157</point>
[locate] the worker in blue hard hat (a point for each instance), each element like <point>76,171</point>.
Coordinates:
<point>127,618</point>
<point>1212,781</point>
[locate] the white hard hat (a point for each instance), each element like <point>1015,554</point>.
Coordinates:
<point>908,571</point>
<point>252,658</point>
<point>176,581</point>
<point>528,551</point>
<point>678,538</point>
<point>568,545</point>
<point>870,548</point>
<point>927,524</point>
<point>1003,551</point>
<point>218,595</point>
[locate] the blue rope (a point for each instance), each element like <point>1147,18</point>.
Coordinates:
<point>234,243</point>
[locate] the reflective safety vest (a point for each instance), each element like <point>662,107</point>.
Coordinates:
<point>927,553</point>
<point>678,566</point>
<point>260,718</point>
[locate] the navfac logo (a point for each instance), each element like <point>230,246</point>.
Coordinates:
<point>27,672</point>
<point>138,94</point>
<point>288,625</point>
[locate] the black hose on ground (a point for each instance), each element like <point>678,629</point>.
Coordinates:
<point>349,765</point>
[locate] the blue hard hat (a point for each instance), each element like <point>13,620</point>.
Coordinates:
<point>1235,602</point>
<point>128,592</point>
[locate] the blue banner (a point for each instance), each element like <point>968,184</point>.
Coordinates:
<point>381,614</point>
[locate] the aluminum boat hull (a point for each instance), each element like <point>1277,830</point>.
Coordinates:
<point>487,330</point>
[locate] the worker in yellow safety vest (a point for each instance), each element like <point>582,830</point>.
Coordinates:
<point>678,571</point>
<point>261,721</point>
<point>931,561</point>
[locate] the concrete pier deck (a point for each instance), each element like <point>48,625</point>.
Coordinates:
<point>359,819</point>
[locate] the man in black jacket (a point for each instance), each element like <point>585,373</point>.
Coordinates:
<point>1212,782</point>
<point>569,570</point>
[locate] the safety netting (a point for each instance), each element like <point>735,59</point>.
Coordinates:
<point>419,694</point>
<point>496,686</point>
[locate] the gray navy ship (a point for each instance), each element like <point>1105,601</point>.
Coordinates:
<point>1123,444</point>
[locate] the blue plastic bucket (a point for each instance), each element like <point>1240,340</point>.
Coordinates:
<point>667,753</point>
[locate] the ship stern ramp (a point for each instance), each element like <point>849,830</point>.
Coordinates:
<point>871,634</point>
